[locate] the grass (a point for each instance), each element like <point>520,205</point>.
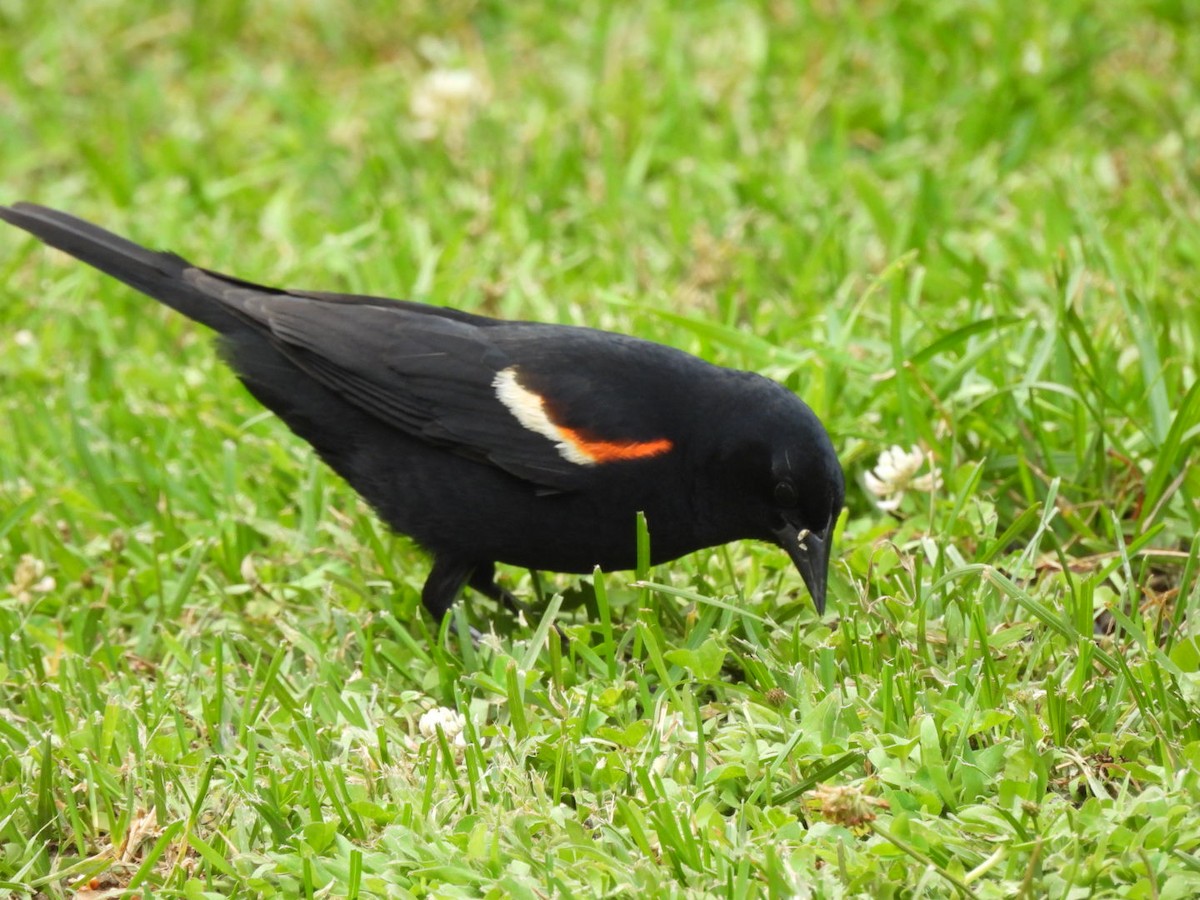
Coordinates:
<point>969,227</point>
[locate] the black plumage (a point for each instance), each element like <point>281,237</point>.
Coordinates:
<point>494,441</point>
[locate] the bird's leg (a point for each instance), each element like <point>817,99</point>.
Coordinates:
<point>483,580</point>
<point>445,581</point>
<point>442,587</point>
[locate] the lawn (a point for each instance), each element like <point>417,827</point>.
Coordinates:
<point>966,227</point>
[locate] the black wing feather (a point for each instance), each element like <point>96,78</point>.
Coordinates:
<point>427,375</point>
<point>424,370</point>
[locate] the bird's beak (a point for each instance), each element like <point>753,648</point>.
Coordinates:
<point>809,550</point>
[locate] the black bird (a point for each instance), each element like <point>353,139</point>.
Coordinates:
<point>517,442</point>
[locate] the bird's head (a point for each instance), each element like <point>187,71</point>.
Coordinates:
<point>781,474</point>
<point>806,499</point>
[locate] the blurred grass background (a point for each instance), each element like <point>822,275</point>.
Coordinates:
<point>971,227</point>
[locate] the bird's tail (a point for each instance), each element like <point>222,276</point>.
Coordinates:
<point>158,275</point>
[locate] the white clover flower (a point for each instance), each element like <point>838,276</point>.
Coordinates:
<point>444,101</point>
<point>452,722</point>
<point>30,578</point>
<point>896,473</point>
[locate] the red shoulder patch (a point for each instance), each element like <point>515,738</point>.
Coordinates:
<point>573,444</point>
<point>612,451</point>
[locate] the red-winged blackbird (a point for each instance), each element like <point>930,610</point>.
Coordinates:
<point>491,441</point>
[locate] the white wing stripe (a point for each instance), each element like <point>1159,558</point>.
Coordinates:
<point>529,409</point>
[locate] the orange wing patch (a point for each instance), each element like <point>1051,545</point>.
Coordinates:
<point>572,444</point>
<point>611,451</point>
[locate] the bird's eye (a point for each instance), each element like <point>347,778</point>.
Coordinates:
<point>785,494</point>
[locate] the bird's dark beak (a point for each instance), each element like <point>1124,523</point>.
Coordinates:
<point>809,550</point>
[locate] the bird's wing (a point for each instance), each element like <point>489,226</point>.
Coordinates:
<point>506,394</point>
